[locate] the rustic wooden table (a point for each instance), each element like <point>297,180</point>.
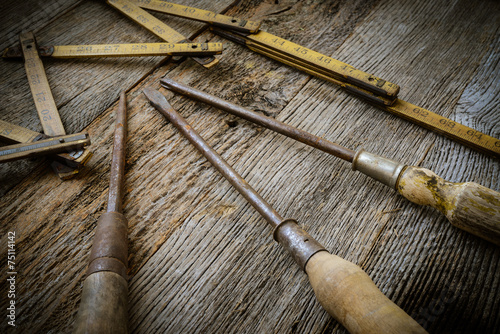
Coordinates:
<point>201,259</point>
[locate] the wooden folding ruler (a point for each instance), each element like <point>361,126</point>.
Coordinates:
<point>162,30</point>
<point>375,90</point>
<point>48,114</point>
<point>120,50</point>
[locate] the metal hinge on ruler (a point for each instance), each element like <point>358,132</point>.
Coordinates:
<point>14,134</point>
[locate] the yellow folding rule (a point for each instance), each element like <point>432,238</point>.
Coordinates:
<point>377,91</point>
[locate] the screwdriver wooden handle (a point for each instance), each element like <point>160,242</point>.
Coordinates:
<point>468,206</point>
<point>103,308</point>
<point>341,287</point>
<point>348,294</point>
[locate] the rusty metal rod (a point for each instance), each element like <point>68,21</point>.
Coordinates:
<point>103,307</point>
<point>160,103</point>
<point>417,184</point>
<point>344,290</point>
<point>117,171</point>
<point>267,122</point>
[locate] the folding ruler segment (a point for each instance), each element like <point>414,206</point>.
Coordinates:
<point>121,50</point>
<point>264,42</point>
<point>223,21</point>
<point>376,99</point>
<point>45,105</point>
<point>13,134</point>
<point>425,118</point>
<point>341,71</point>
<point>42,147</point>
<point>157,27</point>
<point>445,126</point>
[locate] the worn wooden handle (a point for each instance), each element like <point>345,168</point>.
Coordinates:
<point>103,308</point>
<point>468,206</point>
<point>348,294</point>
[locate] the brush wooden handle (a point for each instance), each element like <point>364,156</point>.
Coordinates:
<point>348,294</point>
<point>468,206</point>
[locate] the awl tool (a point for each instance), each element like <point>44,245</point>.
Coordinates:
<point>344,290</point>
<point>468,206</point>
<point>103,306</point>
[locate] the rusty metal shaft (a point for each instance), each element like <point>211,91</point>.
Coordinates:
<point>117,171</point>
<point>267,122</point>
<point>160,102</point>
<point>103,307</point>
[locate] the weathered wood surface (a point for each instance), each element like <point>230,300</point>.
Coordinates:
<point>201,259</point>
<point>80,94</point>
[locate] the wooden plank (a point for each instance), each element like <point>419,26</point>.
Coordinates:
<point>409,245</point>
<point>202,260</point>
<point>80,94</point>
<point>30,15</point>
<point>74,239</point>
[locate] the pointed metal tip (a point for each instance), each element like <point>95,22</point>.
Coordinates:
<point>154,96</point>
<point>148,91</point>
<point>157,100</point>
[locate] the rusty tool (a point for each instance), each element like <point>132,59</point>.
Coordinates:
<point>468,206</point>
<point>345,291</point>
<point>50,146</point>
<point>15,134</point>
<point>103,307</point>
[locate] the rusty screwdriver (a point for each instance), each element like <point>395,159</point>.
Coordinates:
<point>468,206</point>
<point>345,291</point>
<point>103,306</point>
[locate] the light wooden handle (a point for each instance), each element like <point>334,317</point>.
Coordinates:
<point>103,308</point>
<point>348,294</point>
<point>468,206</point>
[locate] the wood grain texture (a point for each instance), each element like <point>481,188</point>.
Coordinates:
<point>18,16</point>
<point>201,259</point>
<point>349,295</point>
<point>80,95</point>
<point>468,205</point>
